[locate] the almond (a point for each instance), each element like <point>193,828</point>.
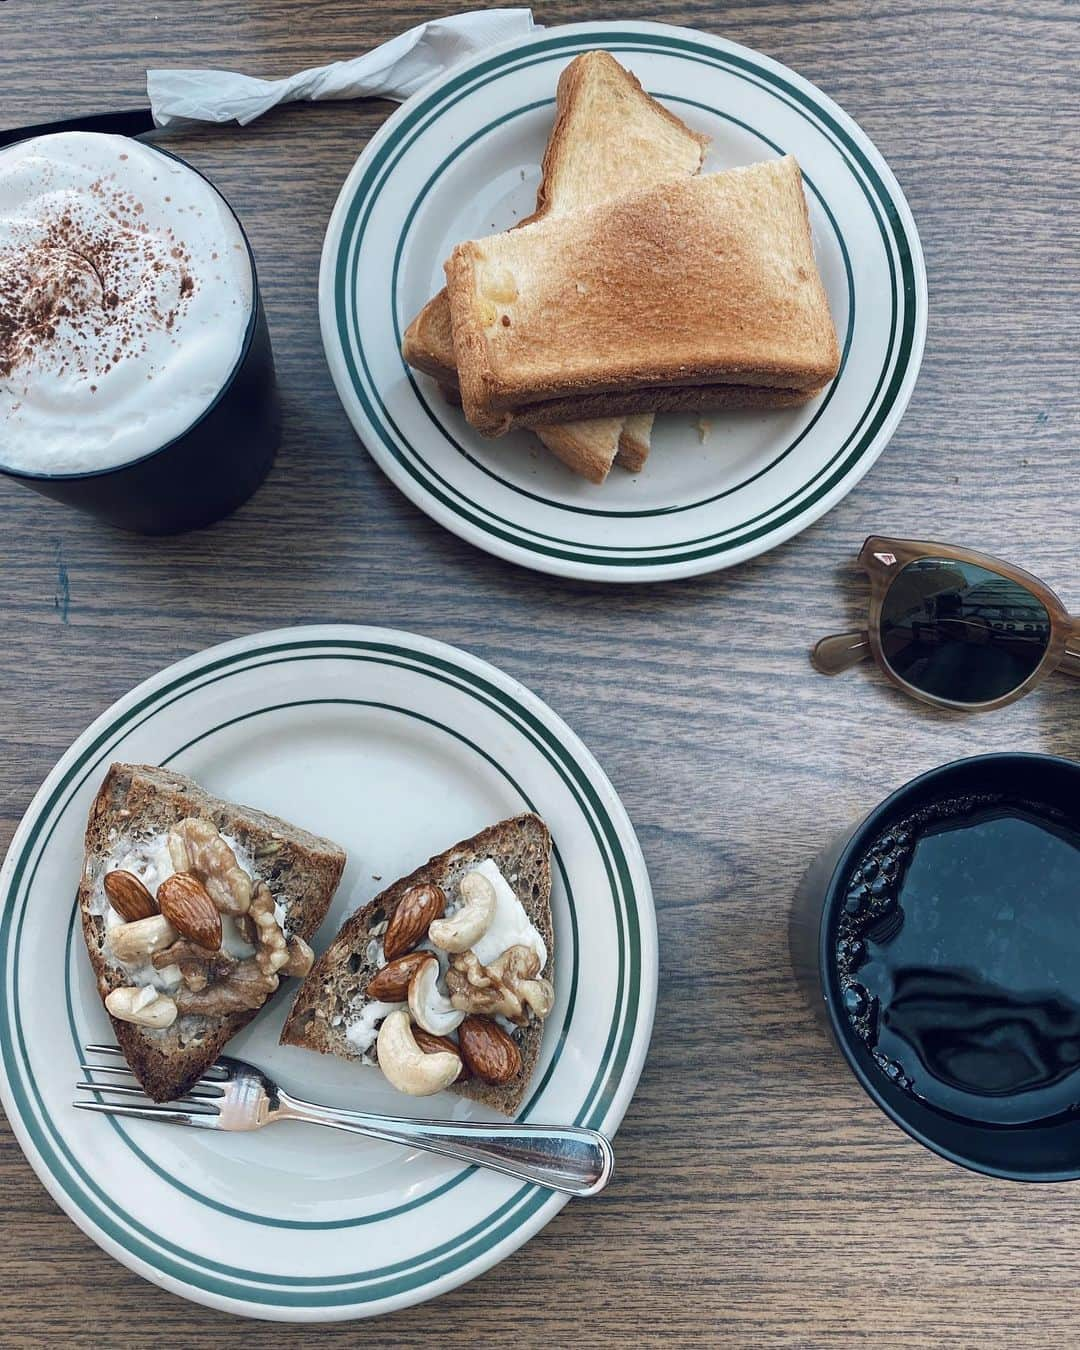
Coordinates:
<point>431,1044</point>
<point>410,921</point>
<point>128,896</point>
<point>391,984</point>
<point>487,1051</point>
<point>186,903</point>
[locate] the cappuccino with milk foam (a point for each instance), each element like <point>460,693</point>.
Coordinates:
<point>126,293</point>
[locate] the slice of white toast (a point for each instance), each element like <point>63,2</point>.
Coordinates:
<point>609,137</point>
<point>705,281</point>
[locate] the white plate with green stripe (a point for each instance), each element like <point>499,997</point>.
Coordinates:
<point>394,746</point>
<point>460,160</point>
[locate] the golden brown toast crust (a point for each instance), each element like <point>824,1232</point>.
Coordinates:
<point>634,404</point>
<point>698,281</point>
<point>588,447</point>
<point>668,398</point>
<point>643,143</point>
<point>635,441</point>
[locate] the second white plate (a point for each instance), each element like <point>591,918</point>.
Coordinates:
<point>461,159</point>
<point>395,747</point>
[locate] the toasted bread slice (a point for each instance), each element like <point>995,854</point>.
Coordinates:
<point>136,804</point>
<point>635,438</point>
<point>333,995</point>
<point>666,399</point>
<point>589,447</point>
<point>428,344</point>
<point>635,441</point>
<point>669,399</point>
<point>698,281</point>
<point>609,137</point>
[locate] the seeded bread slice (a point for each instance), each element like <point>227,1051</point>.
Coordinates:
<point>139,801</point>
<point>334,990</point>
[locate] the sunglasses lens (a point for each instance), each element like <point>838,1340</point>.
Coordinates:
<point>961,633</point>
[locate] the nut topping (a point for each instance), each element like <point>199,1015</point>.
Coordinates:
<point>243,988</point>
<point>509,987</point>
<point>134,943</point>
<point>468,924</point>
<point>144,1007</point>
<point>197,846</point>
<point>187,905</point>
<point>434,1044</point>
<point>271,946</point>
<point>410,921</point>
<point>429,1008</point>
<point>198,967</point>
<point>301,958</point>
<point>488,1051</point>
<point>406,1066</point>
<point>391,983</point>
<point>128,896</point>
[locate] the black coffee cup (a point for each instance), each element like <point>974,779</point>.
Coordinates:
<point>207,471</point>
<point>1045,1150</point>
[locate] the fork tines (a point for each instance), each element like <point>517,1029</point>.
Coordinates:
<point>199,1101</point>
<point>215,1073</point>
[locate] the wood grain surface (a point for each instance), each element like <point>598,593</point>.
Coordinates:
<point>760,1199</point>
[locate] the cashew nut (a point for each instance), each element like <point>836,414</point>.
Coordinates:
<point>429,1008</point>
<point>468,924</point>
<point>145,1007</point>
<point>406,1066</point>
<point>136,942</point>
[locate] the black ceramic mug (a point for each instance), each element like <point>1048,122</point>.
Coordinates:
<point>209,469</point>
<point>1041,1150</point>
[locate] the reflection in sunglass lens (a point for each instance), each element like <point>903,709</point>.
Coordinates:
<point>961,633</point>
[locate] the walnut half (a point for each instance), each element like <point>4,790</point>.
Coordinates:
<point>271,947</point>
<point>301,958</point>
<point>197,846</point>
<point>508,987</point>
<point>246,986</point>
<point>198,966</point>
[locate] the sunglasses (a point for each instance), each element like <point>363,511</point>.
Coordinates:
<point>955,628</point>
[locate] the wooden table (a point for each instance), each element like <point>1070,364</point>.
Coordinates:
<point>760,1198</point>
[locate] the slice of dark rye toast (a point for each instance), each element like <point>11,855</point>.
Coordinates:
<point>334,990</point>
<point>135,804</point>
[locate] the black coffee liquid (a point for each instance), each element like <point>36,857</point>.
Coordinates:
<point>959,956</point>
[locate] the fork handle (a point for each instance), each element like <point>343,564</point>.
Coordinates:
<point>563,1158</point>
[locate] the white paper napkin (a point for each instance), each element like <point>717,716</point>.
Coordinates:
<point>395,70</point>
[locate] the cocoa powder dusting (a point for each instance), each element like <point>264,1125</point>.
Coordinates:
<point>70,277</point>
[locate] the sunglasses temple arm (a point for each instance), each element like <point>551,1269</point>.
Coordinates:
<point>1070,662</point>
<point>840,652</point>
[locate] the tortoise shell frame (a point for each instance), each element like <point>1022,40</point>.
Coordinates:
<point>884,559</point>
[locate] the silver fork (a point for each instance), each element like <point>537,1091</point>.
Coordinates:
<point>234,1095</point>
